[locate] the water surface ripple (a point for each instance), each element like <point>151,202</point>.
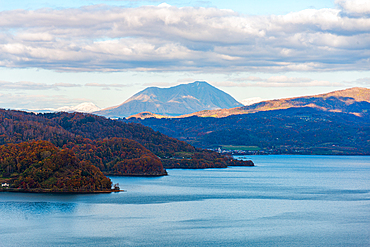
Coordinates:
<point>283,201</point>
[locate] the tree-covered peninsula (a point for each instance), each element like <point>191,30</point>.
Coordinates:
<point>149,151</point>
<point>39,166</point>
<point>73,152</point>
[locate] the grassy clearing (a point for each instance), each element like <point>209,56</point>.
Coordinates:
<point>243,148</point>
<point>184,154</point>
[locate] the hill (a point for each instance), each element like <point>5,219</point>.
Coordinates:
<point>173,101</point>
<point>352,100</point>
<point>39,166</point>
<point>115,147</point>
<point>297,130</point>
<point>118,157</point>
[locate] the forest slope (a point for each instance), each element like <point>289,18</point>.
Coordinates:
<point>295,130</point>
<point>39,166</point>
<point>85,130</point>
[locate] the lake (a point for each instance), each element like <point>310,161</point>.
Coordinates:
<point>282,201</point>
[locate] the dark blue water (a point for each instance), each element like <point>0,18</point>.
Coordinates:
<point>283,201</point>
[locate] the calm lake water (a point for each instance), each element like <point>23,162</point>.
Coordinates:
<point>283,201</point>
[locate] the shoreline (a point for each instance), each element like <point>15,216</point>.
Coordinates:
<point>43,191</point>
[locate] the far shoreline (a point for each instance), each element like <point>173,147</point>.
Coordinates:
<point>45,191</point>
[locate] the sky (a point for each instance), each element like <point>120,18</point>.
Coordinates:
<point>63,53</point>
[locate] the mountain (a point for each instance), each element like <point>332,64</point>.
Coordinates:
<point>297,130</point>
<point>173,101</point>
<point>332,123</point>
<point>86,107</point>
<point>40,166</point>
<point>352,100</point>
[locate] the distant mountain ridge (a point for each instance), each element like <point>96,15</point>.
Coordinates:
<point>352,100</point>
<point>86,107</point>
<point>349,100</point>
<point>173,101</point>
<point>297,130</point>
<point>333,123</point>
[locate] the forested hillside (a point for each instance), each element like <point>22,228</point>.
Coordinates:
<point>296,130</point>
<point>118,156</point>
<point>96,127</point>
<point>40,166</point>
<point>114,147</point>
<point>332,123</point>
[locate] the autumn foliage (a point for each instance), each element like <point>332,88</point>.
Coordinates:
<point>113,147</point>
<point>205,159</point>
<point>41,166</point>
<point>118,156</point>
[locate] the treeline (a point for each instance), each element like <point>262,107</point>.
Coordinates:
<point>39,166</point>
<point>96,128</point>
<point>205,159</point>
<point>309,130</point>
<point>18,126</point>
<point>61,128</point>
<point>115,147</point>
<point>118,157</point>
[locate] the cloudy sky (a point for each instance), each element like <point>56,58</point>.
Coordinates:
<point>62,53</point>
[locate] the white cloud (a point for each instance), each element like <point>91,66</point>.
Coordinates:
<point>38,101</point>
<point>249,78</point>
<point>285,79</point>
<point>251,101</point>
<point>187,80</point>
<point>107,86</point>
<point>356,7</point>
<point>360,81</point>
<point>167,38</point>
<point>275,81</point>
<point>43,37</point>
<point>164,5</point>
<point>160,84</point>
<point>313,83</point>
<point>27,85</point>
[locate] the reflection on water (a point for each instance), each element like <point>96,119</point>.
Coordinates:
<point>283,201</point>
<point>25,209</point>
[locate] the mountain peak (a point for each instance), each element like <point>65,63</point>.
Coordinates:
<point>87,107</point>
<point>200,82</point>
<point>173,101</point>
